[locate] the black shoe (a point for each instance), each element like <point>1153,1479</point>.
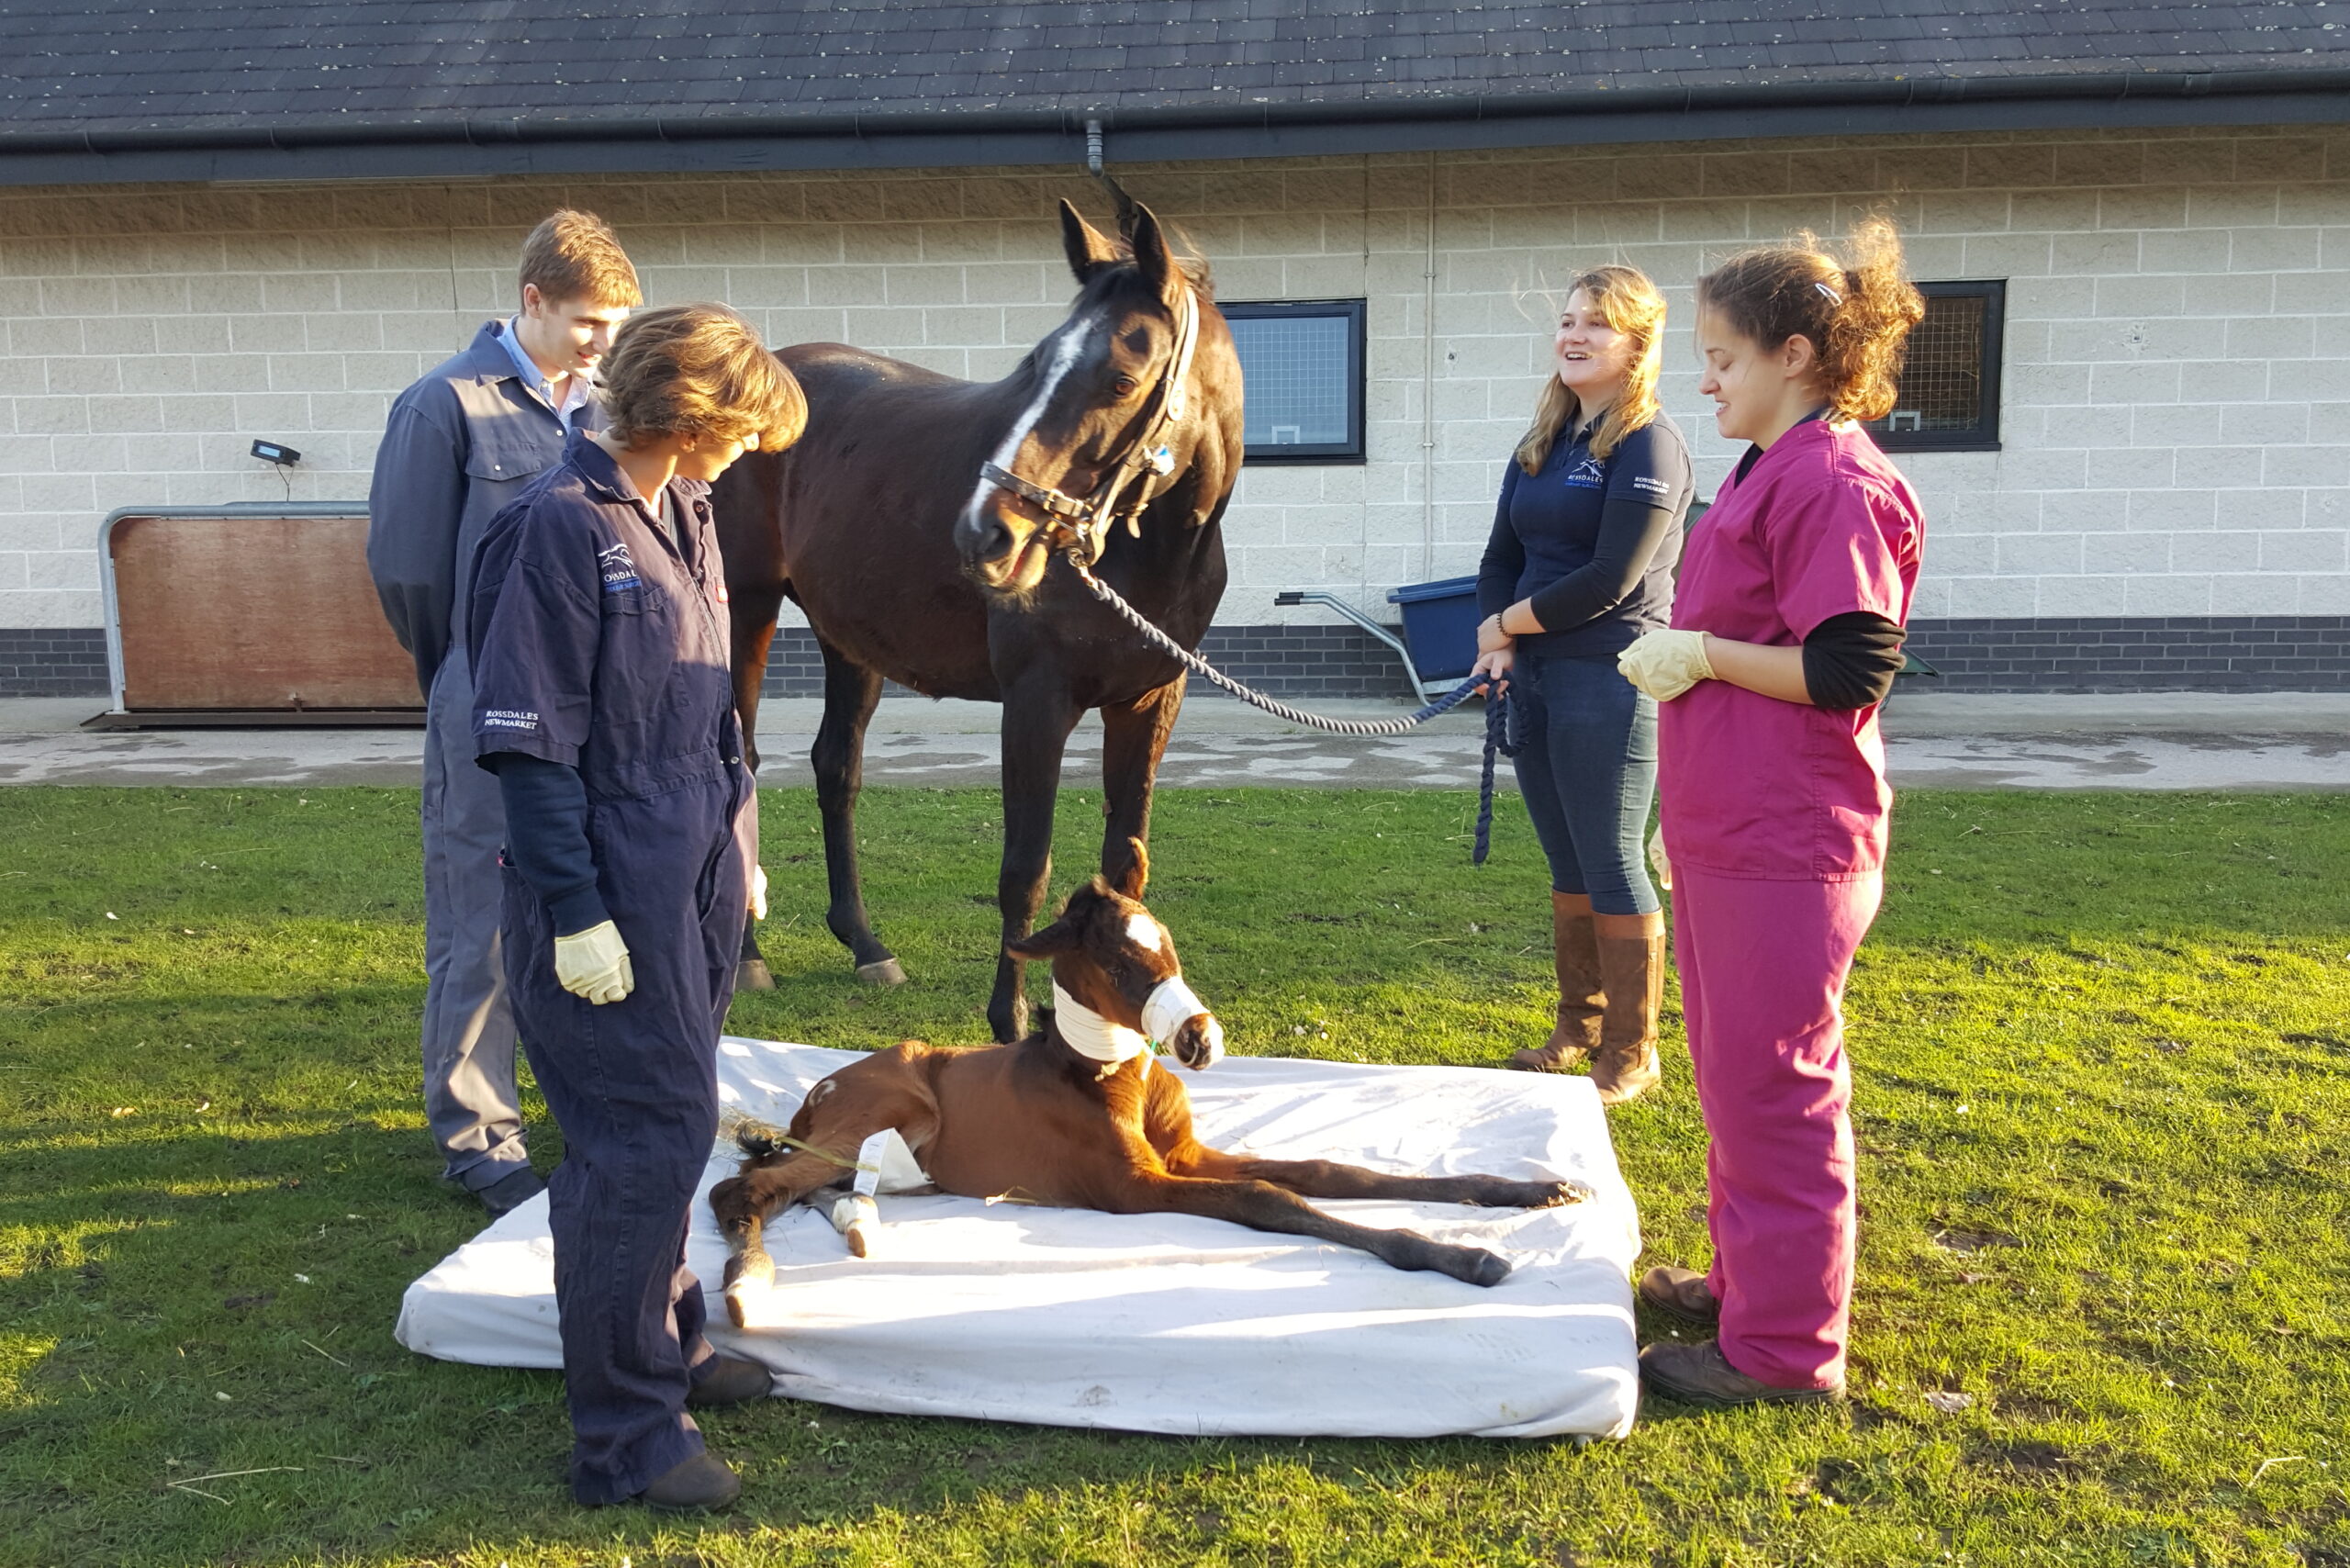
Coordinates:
<point>510,1193</point>
<point>702,1484</point>
<point>729,1380</point>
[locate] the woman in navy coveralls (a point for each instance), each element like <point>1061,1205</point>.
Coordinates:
<point>1579,564</point>
<point>597,631</point>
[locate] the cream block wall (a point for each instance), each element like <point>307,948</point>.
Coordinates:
<point>2177,420</point>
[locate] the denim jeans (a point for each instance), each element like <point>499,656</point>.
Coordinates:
<point>1588,772</point>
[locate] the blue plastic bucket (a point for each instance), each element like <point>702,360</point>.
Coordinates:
<point>1440,626</point>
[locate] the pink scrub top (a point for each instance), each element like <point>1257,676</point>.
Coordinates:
<point>1749,786</point>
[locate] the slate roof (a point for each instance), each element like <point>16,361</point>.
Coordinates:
<point>99,66</point>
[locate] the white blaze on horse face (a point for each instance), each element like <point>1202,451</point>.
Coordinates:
<point>1144,933</point>
<point>1073,339</point>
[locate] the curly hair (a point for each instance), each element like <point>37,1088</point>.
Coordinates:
<point>1629,302</point>
<point>697,370</point>
<point>1856,317</point>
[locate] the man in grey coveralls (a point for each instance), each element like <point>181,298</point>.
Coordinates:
<point>460,444</point>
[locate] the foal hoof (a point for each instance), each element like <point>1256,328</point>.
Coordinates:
<point>885,971</point>
<point>1475,1266</point>
<point>745,1271</point>
<point>755,1269</point>
<point>753,974</point>
<point>1557,1194</point>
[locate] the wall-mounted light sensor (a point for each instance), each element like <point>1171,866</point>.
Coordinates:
<point>272,452</point>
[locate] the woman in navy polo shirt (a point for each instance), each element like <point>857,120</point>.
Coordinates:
<point>1581,563</point>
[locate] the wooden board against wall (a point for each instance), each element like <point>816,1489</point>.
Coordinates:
<point>253,613</point>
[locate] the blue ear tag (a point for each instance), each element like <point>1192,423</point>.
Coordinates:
<point>1162,463</point>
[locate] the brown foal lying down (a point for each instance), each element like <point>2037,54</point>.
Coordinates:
<point>1077,1116</point>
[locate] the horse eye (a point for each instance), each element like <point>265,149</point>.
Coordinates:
<point>1125,384</point>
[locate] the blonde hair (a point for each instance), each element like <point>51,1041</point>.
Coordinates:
<point>1629,302</point>
<point>697,370</point>
<point>575,256</point>
<point>1857,318</point>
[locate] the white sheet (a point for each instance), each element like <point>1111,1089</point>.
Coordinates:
<point>1166,1323</point>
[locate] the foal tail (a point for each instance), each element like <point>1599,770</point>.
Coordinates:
<point>756,1138</point>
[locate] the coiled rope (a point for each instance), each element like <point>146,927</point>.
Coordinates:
<point>1502,736</point>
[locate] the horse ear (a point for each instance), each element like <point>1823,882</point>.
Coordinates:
<point>1088,252</point>
<point>1136,874</point>
<point>1155,257</point>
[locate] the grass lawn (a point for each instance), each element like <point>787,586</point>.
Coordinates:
<point>2103,1048</point>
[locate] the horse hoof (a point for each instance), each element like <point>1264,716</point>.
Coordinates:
<point>887,971</point>
<point>734,1310</point>
<point>752,974</point>
<point>1557,1194</point>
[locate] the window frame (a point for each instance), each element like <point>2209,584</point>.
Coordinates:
<point>1353,450</point>
<point>1985,435</point>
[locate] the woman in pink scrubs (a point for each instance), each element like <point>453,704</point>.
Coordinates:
<point>1786,634</point>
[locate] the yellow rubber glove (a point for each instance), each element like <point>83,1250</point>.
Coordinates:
<point>594,964</point>
<point>1666,663</point>
<point>758,891</point>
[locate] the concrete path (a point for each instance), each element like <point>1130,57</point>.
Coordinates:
<point>2264,742</point>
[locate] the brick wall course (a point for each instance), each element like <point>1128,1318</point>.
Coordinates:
<point>2151,403</point>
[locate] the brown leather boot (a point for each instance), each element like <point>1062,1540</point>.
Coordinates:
<point>704,1484</point>
<point>1632,967</point>
<point>1680,1293</point>
<point>1701,1374</point>
<point>1574,956</point>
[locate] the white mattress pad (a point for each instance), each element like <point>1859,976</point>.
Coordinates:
<point>1164,1323</point>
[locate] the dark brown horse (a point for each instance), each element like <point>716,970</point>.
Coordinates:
<point>1079,1116</point>
<point>917,522</point>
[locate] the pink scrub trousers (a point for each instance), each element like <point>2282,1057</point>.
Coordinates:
<point>1762,967</point>
<point>1775,819</point>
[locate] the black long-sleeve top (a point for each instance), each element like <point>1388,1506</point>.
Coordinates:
<point>1849,660</point>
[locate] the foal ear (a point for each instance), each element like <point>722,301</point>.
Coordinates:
<point>1088,252</point>
<point>1063,936</point>
<point>1134,874</point>
<point>1155,257</point>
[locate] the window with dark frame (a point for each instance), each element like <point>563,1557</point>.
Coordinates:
<point>1950,374</point>
<point>1301,362</point>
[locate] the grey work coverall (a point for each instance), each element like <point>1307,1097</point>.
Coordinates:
<point>461,443</point>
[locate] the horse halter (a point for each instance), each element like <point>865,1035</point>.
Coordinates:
<point>1083,525</point>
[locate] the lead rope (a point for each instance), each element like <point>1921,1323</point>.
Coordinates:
<point>1503,734</point>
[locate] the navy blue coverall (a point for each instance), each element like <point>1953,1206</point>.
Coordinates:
<point>601,644</point>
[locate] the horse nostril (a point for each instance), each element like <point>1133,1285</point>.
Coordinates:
<point>1199,1044</point>
<point>983,538</point>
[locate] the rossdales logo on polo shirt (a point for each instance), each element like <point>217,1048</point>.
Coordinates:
<point>618,569</point>
<point>508,718</point>
<point>1588,475</point>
